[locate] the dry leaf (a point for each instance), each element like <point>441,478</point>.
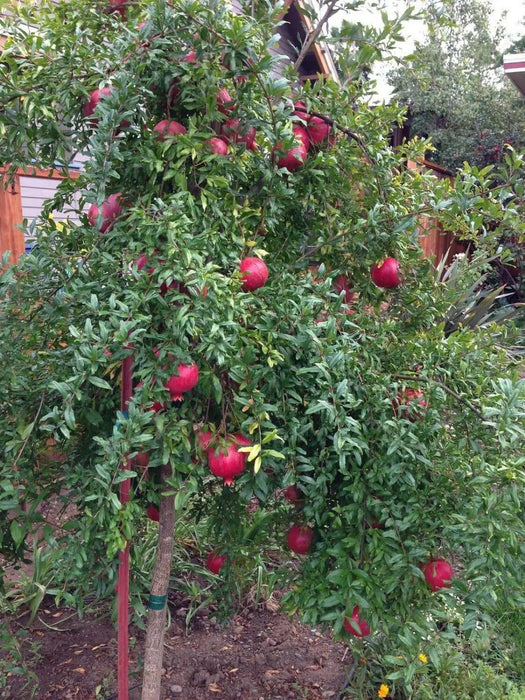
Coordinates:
<point>233,670</point>
<point>272,672</point>
<point>80,670</point>
<point>214,688</point>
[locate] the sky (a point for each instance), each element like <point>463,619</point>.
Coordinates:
<point>514,25</point>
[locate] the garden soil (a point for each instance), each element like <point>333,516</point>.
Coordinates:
<point>260,654</point>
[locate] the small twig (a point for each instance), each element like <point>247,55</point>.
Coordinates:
<point>29,434</point>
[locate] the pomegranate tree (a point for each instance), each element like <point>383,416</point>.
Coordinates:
<point>218,176</point>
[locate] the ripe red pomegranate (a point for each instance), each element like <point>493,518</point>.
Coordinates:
<point>215,562</point>
<point>153,512</point>
<point>141,263</point>
<point>411,398</point>
<point>292,494</point>
<point>225,103</point>
<point>438,574</point>
<point>342,284</point>
<point>204,437</point>
<point>300,538</point>
<point>186,378</point>
<point>111,208</point>
<point>117,7</point>
<point>363,628</point>
<point>190,57</point>
<point>167,127</point>
<point>300,110</point>
<point>242,440</point>
<point>318,129</point>
<point>254,274</point>
<point>217,145</point>
<point>227,462</point>
<point>94,99</point>
<point>157,406</point>
<point>234,132</point>
<point>296,156</point>
<point>386,274</point>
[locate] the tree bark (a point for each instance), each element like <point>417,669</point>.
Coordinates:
<point>156,624</point>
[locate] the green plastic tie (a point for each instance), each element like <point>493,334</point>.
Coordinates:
<point>157,602</point>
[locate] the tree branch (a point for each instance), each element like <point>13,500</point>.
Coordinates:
<point>330,11</point>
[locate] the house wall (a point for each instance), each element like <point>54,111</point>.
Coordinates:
<point>34,191</point>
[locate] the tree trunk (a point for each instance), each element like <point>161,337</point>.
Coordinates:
<point>159,587</point>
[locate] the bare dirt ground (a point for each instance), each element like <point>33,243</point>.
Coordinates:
<point>260,654</point>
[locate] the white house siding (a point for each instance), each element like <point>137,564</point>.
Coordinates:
<point>34,191</point>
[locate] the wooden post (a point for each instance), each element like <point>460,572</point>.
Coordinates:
<point>11,237</point>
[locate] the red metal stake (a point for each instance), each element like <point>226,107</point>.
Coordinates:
<point>123,570</point>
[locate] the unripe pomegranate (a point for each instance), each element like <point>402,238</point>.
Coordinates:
<point>226,462</point>
<point>186,378</point>
<point>300,538</point>
<point>386,274</point>
<point>167,127</point>
<point>438,574</point>
<point>254,274</point>
<point>296,156</point>
<point>363,628</point>
<point>215,562</point>
<point>217,145</point>
<point>111,208</point>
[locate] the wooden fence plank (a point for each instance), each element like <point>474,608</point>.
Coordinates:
<point>11,237</point>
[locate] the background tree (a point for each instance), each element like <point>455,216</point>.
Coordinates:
<point>400,440</point>
<point>455,89</point>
